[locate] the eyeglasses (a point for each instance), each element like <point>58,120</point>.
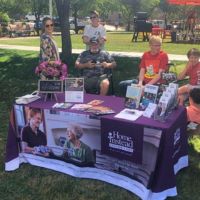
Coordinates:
<point>156,45</point>
<point>48,25</point>
<point>93,17</point>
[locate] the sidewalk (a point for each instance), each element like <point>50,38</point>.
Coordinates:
<point>114,53</point>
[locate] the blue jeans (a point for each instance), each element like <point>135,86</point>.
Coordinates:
<point>123,85</point>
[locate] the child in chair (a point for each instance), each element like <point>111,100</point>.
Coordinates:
<point>192,70</point>
<point>193,110</point>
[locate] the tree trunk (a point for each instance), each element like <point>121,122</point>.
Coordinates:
<point>75,19</point>
<point>37,28</point>
<point>63,13</point>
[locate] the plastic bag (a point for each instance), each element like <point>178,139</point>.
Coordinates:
<point>28,98</point>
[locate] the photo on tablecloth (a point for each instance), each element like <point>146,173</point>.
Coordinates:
<point>73,137</point>
<point>30,130</point>
<point>79,140</point>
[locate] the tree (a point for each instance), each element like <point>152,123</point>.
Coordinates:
<point>39,7</point>
<point>106,7</point>
<point>63,8</point>
<point>172,11</point>
<point>129,8</point>
<point>76,6</point>
<point>13,8</point>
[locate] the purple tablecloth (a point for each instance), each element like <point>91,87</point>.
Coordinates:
<point>171,152</point>
<point>173,144</point>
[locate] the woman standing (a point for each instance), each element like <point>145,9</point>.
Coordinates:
<point>49,54</point>
<point>48,47</point>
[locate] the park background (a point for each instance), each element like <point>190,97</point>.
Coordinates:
<point>17,78</point>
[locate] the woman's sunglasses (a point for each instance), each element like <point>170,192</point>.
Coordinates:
<point>48,25</point>
<point>93,17</point>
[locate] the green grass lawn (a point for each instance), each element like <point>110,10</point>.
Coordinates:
<point>29,183</point>
<point>116,41</point>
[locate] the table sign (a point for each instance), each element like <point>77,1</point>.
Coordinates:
<point>50,87</point>
<point>74,90</point>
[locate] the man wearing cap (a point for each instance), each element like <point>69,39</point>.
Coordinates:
<point>94,65</point>
<point>94,31</point>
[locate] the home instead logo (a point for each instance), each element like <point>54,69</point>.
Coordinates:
<point>177,136</point>
<point>121,142</point>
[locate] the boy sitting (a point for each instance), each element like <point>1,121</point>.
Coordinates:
<point>193,110</point>
<point>192,70</point>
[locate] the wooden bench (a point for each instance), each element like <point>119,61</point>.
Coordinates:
<point>21,29</point>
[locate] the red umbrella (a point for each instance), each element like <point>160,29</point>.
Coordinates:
<point>185,2</point>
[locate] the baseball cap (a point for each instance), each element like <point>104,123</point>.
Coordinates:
<point>94,41</point>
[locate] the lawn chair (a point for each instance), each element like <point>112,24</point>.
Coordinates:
<point>96,89</point>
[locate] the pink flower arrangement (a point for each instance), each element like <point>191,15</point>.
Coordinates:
<point>52,70</point>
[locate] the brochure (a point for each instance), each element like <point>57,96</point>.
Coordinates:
<point>81,107</point>
<point>163,106</point>
<point>150,95</point>
<point>133,96</point>
<point>74,90</point>
<point>173,85</point>
<point>62,105</point>
<point>173,89</point>
<point>95,102</point>
<point>168,95</point>
<point>169,76</point>
<point>100,110</point>
<point>149,111</point>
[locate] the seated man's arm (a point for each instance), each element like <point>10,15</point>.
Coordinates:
<point>108,61</point>
<point>80,65</point>
<point>83,61</point>
<point>110,65</point>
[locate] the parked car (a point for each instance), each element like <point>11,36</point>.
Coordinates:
<point>31,17</point>
<point>159,23</point>
<point>38,25</point>
<point>81,24</point>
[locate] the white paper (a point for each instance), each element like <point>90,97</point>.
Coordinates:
<point>129,114</point>
<point>74,90</point>
<point>74,96</point>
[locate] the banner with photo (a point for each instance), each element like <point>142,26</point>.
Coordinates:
<point>75,144</point>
